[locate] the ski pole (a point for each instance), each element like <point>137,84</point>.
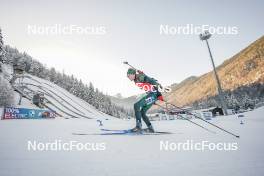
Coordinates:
<point>222,129</point>
<point>189,120</point>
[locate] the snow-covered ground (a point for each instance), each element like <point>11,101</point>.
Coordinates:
<point>124,154</point>
<point>131,155</point>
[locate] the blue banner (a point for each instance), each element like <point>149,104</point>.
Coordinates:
<point>23,113</point>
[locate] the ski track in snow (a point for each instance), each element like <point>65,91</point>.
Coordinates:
<point>131,155</point>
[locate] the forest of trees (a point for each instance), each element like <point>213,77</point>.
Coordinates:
<point>6,93</point>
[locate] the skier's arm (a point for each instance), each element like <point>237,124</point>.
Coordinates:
<point>157,85</point>
<point>152,81</point>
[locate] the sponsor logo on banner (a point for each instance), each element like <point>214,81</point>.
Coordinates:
<point>23,113</point>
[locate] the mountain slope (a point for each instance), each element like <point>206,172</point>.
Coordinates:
<point>243,69</point>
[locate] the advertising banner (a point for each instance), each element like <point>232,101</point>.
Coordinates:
<point>24,113</point>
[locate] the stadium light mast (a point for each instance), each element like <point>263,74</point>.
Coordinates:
<point>205,36</point>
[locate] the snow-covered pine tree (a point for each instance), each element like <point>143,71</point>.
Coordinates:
<point>2,50</point>
<point>2,53</point>
<point>91,94</point>
<point>6,93</point>
<point>52,75</point>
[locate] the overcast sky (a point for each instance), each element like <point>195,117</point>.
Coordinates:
<point>129,29</point>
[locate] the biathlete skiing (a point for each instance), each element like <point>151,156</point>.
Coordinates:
<point>151,86</point>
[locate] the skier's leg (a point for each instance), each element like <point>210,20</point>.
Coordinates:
<point>137,108</point>
<point>146,120</point>
<point>145,117</point>
<point>149,101</point>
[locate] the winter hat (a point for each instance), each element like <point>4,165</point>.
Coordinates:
<point>131,71</point>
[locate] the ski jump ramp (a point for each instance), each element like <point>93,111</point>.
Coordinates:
<point>57,98</point>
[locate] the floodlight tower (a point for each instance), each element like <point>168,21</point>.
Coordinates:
<point>205,36</point>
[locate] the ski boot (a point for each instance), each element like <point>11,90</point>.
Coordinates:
<point>138,128</point>
<point>150,129</point>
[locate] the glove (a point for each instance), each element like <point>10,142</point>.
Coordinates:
<point>160,98</point>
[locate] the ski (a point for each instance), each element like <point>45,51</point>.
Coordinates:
<point>136,133</point>
<point>130,131</point>
<point>124,132</point>
<point>119,133</point>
